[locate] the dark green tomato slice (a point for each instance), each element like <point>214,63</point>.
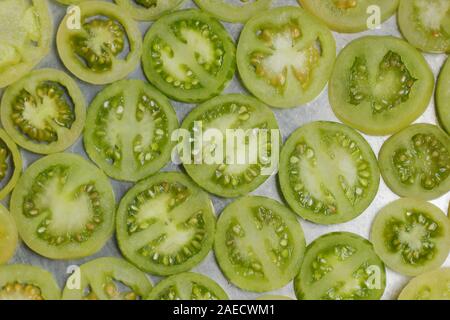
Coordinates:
<point>189,56</point>
<point>64,207</point>
<point>340,266</point>
<point>9,237</point>
<point>259,244</point>
<point>411,236</point>
<point>443,97</point>
<point>188,286</point>
<point>433,285</point>
<point>165,224</point>
<point>149,9</point>
<point>25,33</point>
<point>273,297</point>
<point>128,130</point>
<point>349,16</point>
<point>25,282</point>
<point>44,112</point>
<point>107,279</point>
<point>380,85</point>
<point>415,162</point>
<point>285,56</point>
<point>213,168</point>
<point>233,10</point>
<point>10,164</point>
<point>107,46</point>
<point>426,24</point>
<point>328,173</point>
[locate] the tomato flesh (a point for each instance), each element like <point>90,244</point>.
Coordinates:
<point>149,9</point>
<point>10,164</point>
<point>231,12</point>
<point>9,237</point>
<point>443,97</point>
<point>433,285</point>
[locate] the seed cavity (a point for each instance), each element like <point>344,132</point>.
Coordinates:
<point>20,291</point>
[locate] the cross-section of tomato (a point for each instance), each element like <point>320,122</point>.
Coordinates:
<point>10,164</point>
<point>149,9</point>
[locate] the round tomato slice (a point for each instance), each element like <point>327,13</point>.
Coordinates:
<point>9,237</point>
<point>228,10</point>
<point>107,279</point>
<point>328,173</point>
<point>238,137</point>
<point>433,285</point>
<point>24,282</point>
<point>426,24</point>
<point>128,130</point>
<point>189,56</point>
<point>10,164</point>
<point>187,286</point>
<point>165,224</point>
<point>415,162</point>
<point>64,207</point>
<point>411,236</point>
<point>340,266</point>
<point>149,9</point>
<point>443,97</point>
<point>107,46</point>
<point>349,16</point>
<point>25,33</point>
<point>285,56</point>
<point>259,244</point>
<point>380,85</point>
<point>44,112</point>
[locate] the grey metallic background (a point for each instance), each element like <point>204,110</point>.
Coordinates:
<point>289,120</point>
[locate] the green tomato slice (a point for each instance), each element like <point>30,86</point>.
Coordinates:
<point>44,112</point>
<point>9,237</point>
<point>25,33</point>
<point>340,266</point>
<point>411,236</point>
<point>433,285</point>
<point>259,244</point>
<point>273,297</point>
<point>24,282</point>
<point>349,16</point>
<point>165,224</point>
<point>187,286</point>
<point>149,9</point>
<point>64,207</point>
<point>328,173</point>
<point>189,56</point>
<point>285,56</point>
<point>67,2</point>
<point>128,130</point>
<point>380,85</point>
<point>228,10</point>
<point>215,170</point>
<point>107,279</point>
<point>105,48</point>
<point>443,97</point>
<point>10,164</point>
<point>426,24</point>
<point>415,162</point>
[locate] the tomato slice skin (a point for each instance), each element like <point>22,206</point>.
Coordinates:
<point>426,24</point>
<point>25,276</point>
<point>398,228</point>
<point>332,265</point>
<point>348,16</point>
<point>70,47</point>
<point>432,285</point>
<point>140,12</point>
<point>262,47</point>
<point>253,269</point>
<point>178,66</point>
<point>399,161</point>
<point>314,181</point>
<point>443,97</point>
<point>127,127</point>
<point>61,184</point>
<point>66,133</point>
<point>13,153</point>
<point>9,238</point>
<point>100,276</point>
<point>187,286</point>
<point>165,224</point>
<point>233,13</point>
<point>380,84</point>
